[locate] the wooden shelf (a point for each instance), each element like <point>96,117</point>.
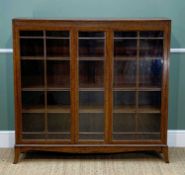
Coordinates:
<point>57,37</point>
<point>133,109</point>
<point>32,58</point>
<point>149,89</point>
<point>136,132</point>
<point>124,89</point>
<point>45,132</point>
<point>151,38</point>
<point>124,58</point>
<point>125,38</point>
<point>49,109</point>
<point>142,58</point>
<point>34,88</point>
<point>58,109</point>
<point>31,37</point>
<point>149,109</point>
<point>136,89</point>
<point>58,89</point>
<point>91,109</point>
<point>90,132</point>
<point>138,38</point>
<point>91,58</point>
<point>91,89</point>
<point>38,109</point>
<point>46,89</point>
<point>58,58</point>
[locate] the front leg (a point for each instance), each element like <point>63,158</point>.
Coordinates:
<point>17,152</point>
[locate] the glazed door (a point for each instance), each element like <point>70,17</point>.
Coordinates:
<point>91,89</point>
<point>45,85</point>
<point>137,84</point>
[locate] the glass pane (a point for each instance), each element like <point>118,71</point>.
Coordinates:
<point>58,73</point>
<point>91,73</point>
<point>150,73</point>
<point>91,47</point>
<point>149,122</point>
<point>124,123</point>
<point>57,33</point>
<point>58,99</point>
<point>124,73</point>
<point>92,99</point>
<point>125,34</point>
<point>60,136</point>
<point>32,47</point>
<point>32,73</point>
<point>33,136</point>
<point>151,34</point>
<point>150,100</point>
<point>31,33</point>
<point>151,48</point>
<point>58,122</point>
<point>57,47</point>
<point>32,100</point>
<point>91,126</point>
<point>125,47</point>
<point>124,99</point>
<point>148,136</point>
<point>124,136</point>
<point>33,122</point>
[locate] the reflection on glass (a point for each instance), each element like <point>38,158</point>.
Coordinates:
<point>91,126</point>
<point>125,47</point>
<point>150,73</point>
<point>124,99</point>
<point>91,48</point>
<point>91,99</point>
<point>91,73</point>
<point>32,47</point>
<point>150,99</point>
<point>33,122</point>
<point>124,123</point>
<point>151,48</point>
<point>58,73</point>
<point>58,122</point>
<point>124,73</point>
<point>57,47</point>
<point>149,122</point>
<point>32,73</point>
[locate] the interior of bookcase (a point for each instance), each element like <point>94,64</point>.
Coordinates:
<point>136,87</point>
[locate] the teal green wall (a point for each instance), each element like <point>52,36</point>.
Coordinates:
<point>172,9</point>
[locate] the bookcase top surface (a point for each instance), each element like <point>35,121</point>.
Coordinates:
<point>91,19</point>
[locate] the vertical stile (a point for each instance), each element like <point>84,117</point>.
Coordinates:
<point>137,81</point>
<point>45,88</point>
<point>74,86</point>
<point>108,86</point>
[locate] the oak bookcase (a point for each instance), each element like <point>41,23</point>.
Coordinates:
<point>91,86</point>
